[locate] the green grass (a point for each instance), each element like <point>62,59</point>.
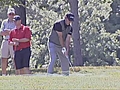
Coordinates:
<point>85,78</point>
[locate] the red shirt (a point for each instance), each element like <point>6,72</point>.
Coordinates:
<point>23,32</point>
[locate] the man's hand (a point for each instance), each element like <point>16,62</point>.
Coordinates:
<point>63,50</point>
<point>15,43</point>
<point>5,32</point>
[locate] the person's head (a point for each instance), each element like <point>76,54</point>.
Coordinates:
<point>69,18</point>
<point>11,13</point>
<point>17,20</point>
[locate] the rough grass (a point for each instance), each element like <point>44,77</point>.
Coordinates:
<point>84,78</point>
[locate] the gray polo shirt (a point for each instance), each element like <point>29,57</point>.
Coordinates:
<point>6,24</point>
<point>60,27</point>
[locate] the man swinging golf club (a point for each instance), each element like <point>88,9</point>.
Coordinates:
<point>59,42</point>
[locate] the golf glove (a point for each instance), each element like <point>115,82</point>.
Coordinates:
<point>63,50</point>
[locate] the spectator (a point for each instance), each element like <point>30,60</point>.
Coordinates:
<point>7,50</point>
<point>20,38</point>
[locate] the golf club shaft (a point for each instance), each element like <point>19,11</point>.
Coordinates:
<point>70,63</point>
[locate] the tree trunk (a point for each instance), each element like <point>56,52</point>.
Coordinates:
<point>21,10</point>
<point>76,34</point>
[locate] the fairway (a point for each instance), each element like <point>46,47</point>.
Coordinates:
<point>88,78</point>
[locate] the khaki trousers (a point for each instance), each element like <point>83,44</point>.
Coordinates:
<point>7,50</point>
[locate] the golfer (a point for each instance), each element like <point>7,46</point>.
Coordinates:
<point>59,41</point>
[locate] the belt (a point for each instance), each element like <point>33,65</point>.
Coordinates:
<point>19,49</point>
<point>54,42</point>
<point>23,49</point>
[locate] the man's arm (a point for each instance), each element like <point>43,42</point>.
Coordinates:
<point>60,35</point>
<point>67,43</point>
<point>4,32</point>
<point>20,40</point>
<point>58,28</point>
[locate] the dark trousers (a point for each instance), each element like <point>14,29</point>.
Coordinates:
<point>22,58</point>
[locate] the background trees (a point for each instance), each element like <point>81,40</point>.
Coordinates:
<point>96,33</point>
<point>21,10</point>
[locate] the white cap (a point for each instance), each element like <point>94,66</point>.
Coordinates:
<point>11,10</point>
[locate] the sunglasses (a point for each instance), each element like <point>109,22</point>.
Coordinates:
<point>11,14</point>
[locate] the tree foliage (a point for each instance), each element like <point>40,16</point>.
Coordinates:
<point>99,46</point>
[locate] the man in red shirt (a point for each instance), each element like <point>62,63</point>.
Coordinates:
<point>20,38</point>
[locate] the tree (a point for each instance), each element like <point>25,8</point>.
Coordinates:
<point>76,35</point>
<point>98,46</point>
<point>19,6</point>
<point>113,23</point>
<point>21,10</point>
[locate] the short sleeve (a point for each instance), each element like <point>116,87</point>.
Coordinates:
<point>71,31</point>
<point>57,27</point>
<point>28,33</point>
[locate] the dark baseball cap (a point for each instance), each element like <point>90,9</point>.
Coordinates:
<point>16,18</point>
<point>70,16</point>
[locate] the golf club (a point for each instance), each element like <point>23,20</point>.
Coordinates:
<point>70,63</point>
